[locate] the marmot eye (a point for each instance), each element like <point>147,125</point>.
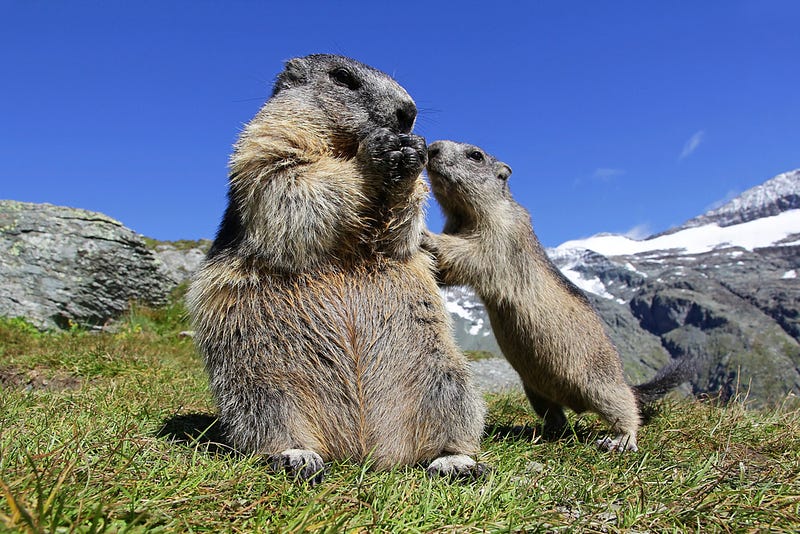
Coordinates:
<point>345,78</point>
<point>475,155</point>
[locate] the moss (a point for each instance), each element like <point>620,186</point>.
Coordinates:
<point>475,355</point>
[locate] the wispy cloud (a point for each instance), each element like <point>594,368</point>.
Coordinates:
<point>639,232</point>
<point>606,174</point>
<point>691,145</point>
<point>601,174</point>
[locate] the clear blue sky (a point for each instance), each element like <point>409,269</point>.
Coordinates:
<point>615,116</point>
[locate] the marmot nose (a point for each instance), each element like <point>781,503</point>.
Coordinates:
<point>405,117</point>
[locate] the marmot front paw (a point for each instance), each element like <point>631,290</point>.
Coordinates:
<point>396,156</point>
<point>457,467</point>
<point>429,242</point>
<point>300,463</point>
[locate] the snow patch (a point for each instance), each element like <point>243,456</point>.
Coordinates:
<point>476,327</point>
<point>593,285</point>
<point>788,275</point>
<point>457,303</point>
<point>457,309</point>
<point>763,232</point>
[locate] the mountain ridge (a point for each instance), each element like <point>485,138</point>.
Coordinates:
<point>777,195</point>
<point>762,216</point>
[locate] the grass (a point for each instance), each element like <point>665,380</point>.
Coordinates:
<point>180,244</point>
<point>475,355</point>
<point>113,432</point>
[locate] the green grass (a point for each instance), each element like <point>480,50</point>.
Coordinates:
<point>86,422</point>
<point>180,244</point>
<point>475,355</point>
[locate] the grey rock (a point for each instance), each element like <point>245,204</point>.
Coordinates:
<point>641,351</point>
<point>61,266</point>
<point>495,375</point>
<point>181,262</point>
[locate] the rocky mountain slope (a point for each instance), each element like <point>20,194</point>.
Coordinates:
<point>720,289</point>
<point>775,196</point>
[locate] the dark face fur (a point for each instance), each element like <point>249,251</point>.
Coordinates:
<point>465,180</point>
<point>356,97</point>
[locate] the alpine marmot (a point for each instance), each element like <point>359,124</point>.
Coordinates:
<point>544,324</point>
<point>318,315</point>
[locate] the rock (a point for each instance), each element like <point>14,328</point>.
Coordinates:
<point>641,351</point>
<point>494,375</point>
<point>182,258</point>
<point>61,266</point>
<point>738,349</point>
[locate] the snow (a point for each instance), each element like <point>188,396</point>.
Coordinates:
<point>568,259</point>
<point>476,327</point>
<point>766,231</point>
<point>457,309</point>
<point>788,275</point>
<point>465,311</point>
<point>782,185</point>
<point>593,285</point>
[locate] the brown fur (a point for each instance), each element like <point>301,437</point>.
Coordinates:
<point>545,326</point>
<point>318,316</point>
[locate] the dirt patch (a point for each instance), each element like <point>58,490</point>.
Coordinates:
<point>37,379</point>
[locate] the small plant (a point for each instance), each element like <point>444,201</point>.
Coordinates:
<point>475,355</point>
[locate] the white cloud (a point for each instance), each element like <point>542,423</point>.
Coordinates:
<point>607,173</point>
<point>692,144</point>
<point>601,174</point>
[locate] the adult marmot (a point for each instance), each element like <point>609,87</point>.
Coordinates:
<point>545,326</point>
<point>318,316</point>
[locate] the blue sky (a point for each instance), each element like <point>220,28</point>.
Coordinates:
<point>624,116</point>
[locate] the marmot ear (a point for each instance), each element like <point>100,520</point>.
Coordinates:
<point>293,74</point>
<point>503,171</point>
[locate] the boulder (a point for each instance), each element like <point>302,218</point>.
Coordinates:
<point>62,266</point>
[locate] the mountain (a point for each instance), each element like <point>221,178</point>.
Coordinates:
<point>775,196</point>
<point>720,289</point>
<point>470,320</point>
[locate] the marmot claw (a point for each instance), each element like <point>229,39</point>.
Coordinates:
<point>300,463</point>
<point>395,156</point>
<point>457,467</point>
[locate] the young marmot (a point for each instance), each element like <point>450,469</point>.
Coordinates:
<point>544,324</point>
<point>318,316</point>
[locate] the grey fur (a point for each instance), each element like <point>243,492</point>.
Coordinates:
<point>544,325</point>
<point>316,312</point>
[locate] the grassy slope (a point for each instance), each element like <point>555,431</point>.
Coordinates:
<point>83,448</point>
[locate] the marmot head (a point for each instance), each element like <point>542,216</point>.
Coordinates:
<point>466,181</point>
<point>354,97</point>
